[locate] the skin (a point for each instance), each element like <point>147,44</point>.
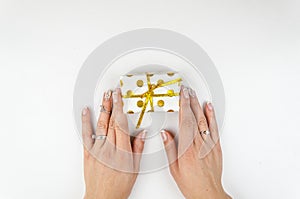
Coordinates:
<point>102,181</point>
<point>198,169</point>
<point>195,163</point>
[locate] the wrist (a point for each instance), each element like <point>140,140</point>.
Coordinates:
<point>97,196</point>
<point>87,196</point>
<point>222,195</point>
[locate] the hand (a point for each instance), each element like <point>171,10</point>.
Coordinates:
<point>196,165</point>
<point>111,164</point>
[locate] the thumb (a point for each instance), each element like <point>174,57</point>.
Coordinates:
<point>171,150</point>
<point>137,148</point>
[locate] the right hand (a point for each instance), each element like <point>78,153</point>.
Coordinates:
<point>198,169</point>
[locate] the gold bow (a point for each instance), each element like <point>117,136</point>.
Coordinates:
<point>150,94</point>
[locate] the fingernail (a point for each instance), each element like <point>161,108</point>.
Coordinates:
<point>209,106</point>
<point>143,135</point>
<point>164,135</point>
<point>192,92</point>
<point>107,95</point>
<point>186,92</point>
<point>115,96</point>
<point>84,110</point>
<point>118,89</point>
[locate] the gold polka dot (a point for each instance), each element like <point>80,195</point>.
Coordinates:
<point>140,103</point>
<point>130,112</point>
<point>129,75</point>
<point>160,81</point>
<point>170,74</point>
<point>160,103</point>
<point>139,83</point>
<point>121,83</point>
<point>170,92</point>
<point>170,110</point>
<point>129,92</point>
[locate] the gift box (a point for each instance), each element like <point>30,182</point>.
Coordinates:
<point>150,92</point>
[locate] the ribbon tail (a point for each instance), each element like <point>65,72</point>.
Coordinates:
<point>142,113</point>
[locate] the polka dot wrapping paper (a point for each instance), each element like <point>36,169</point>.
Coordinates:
<point>150,92</point>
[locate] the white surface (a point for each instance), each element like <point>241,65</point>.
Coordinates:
<point>254,44</point>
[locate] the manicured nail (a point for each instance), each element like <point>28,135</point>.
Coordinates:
<point>192,92</point>
<point>115,96</point>
<point>107,95</point>
<point>118,90</point>
<point>84,110</point>
<point>143,135</point>
<point>186,93</point>
<point>164,135</point>
<point>209,106</point>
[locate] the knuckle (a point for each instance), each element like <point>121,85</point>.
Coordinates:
<point>122,158</point>
<point>187,122</point>
<point>138,145</point>
<point>117,126</point>
<point>184,104</point>
<point>190,152</point>
<point>194,102</point>
<point>218,147</point>
<point>102,125</point>
<point>87,154</point>
<point>106,104</point>
<point>202,122</point>
<point>85,139</point>
<point>105,154</point>
<point>117,109</point>
<point>111,124</point>
<point>86,131</point>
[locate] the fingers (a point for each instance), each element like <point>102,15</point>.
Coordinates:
<point>103,121</point>
<point>171,151</point>
<point>137,148</point>
<point>87,129</point>
<point>187,122</point>
<point>122,136</point>
<point>213,127</point>
<point>199,115</point>
<point>212,122</point>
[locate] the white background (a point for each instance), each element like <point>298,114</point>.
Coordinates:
<point>254,44</point>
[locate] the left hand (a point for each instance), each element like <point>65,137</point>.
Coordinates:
<point>111,164</point>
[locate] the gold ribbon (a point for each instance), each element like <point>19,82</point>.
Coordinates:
<point>150,94</point>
